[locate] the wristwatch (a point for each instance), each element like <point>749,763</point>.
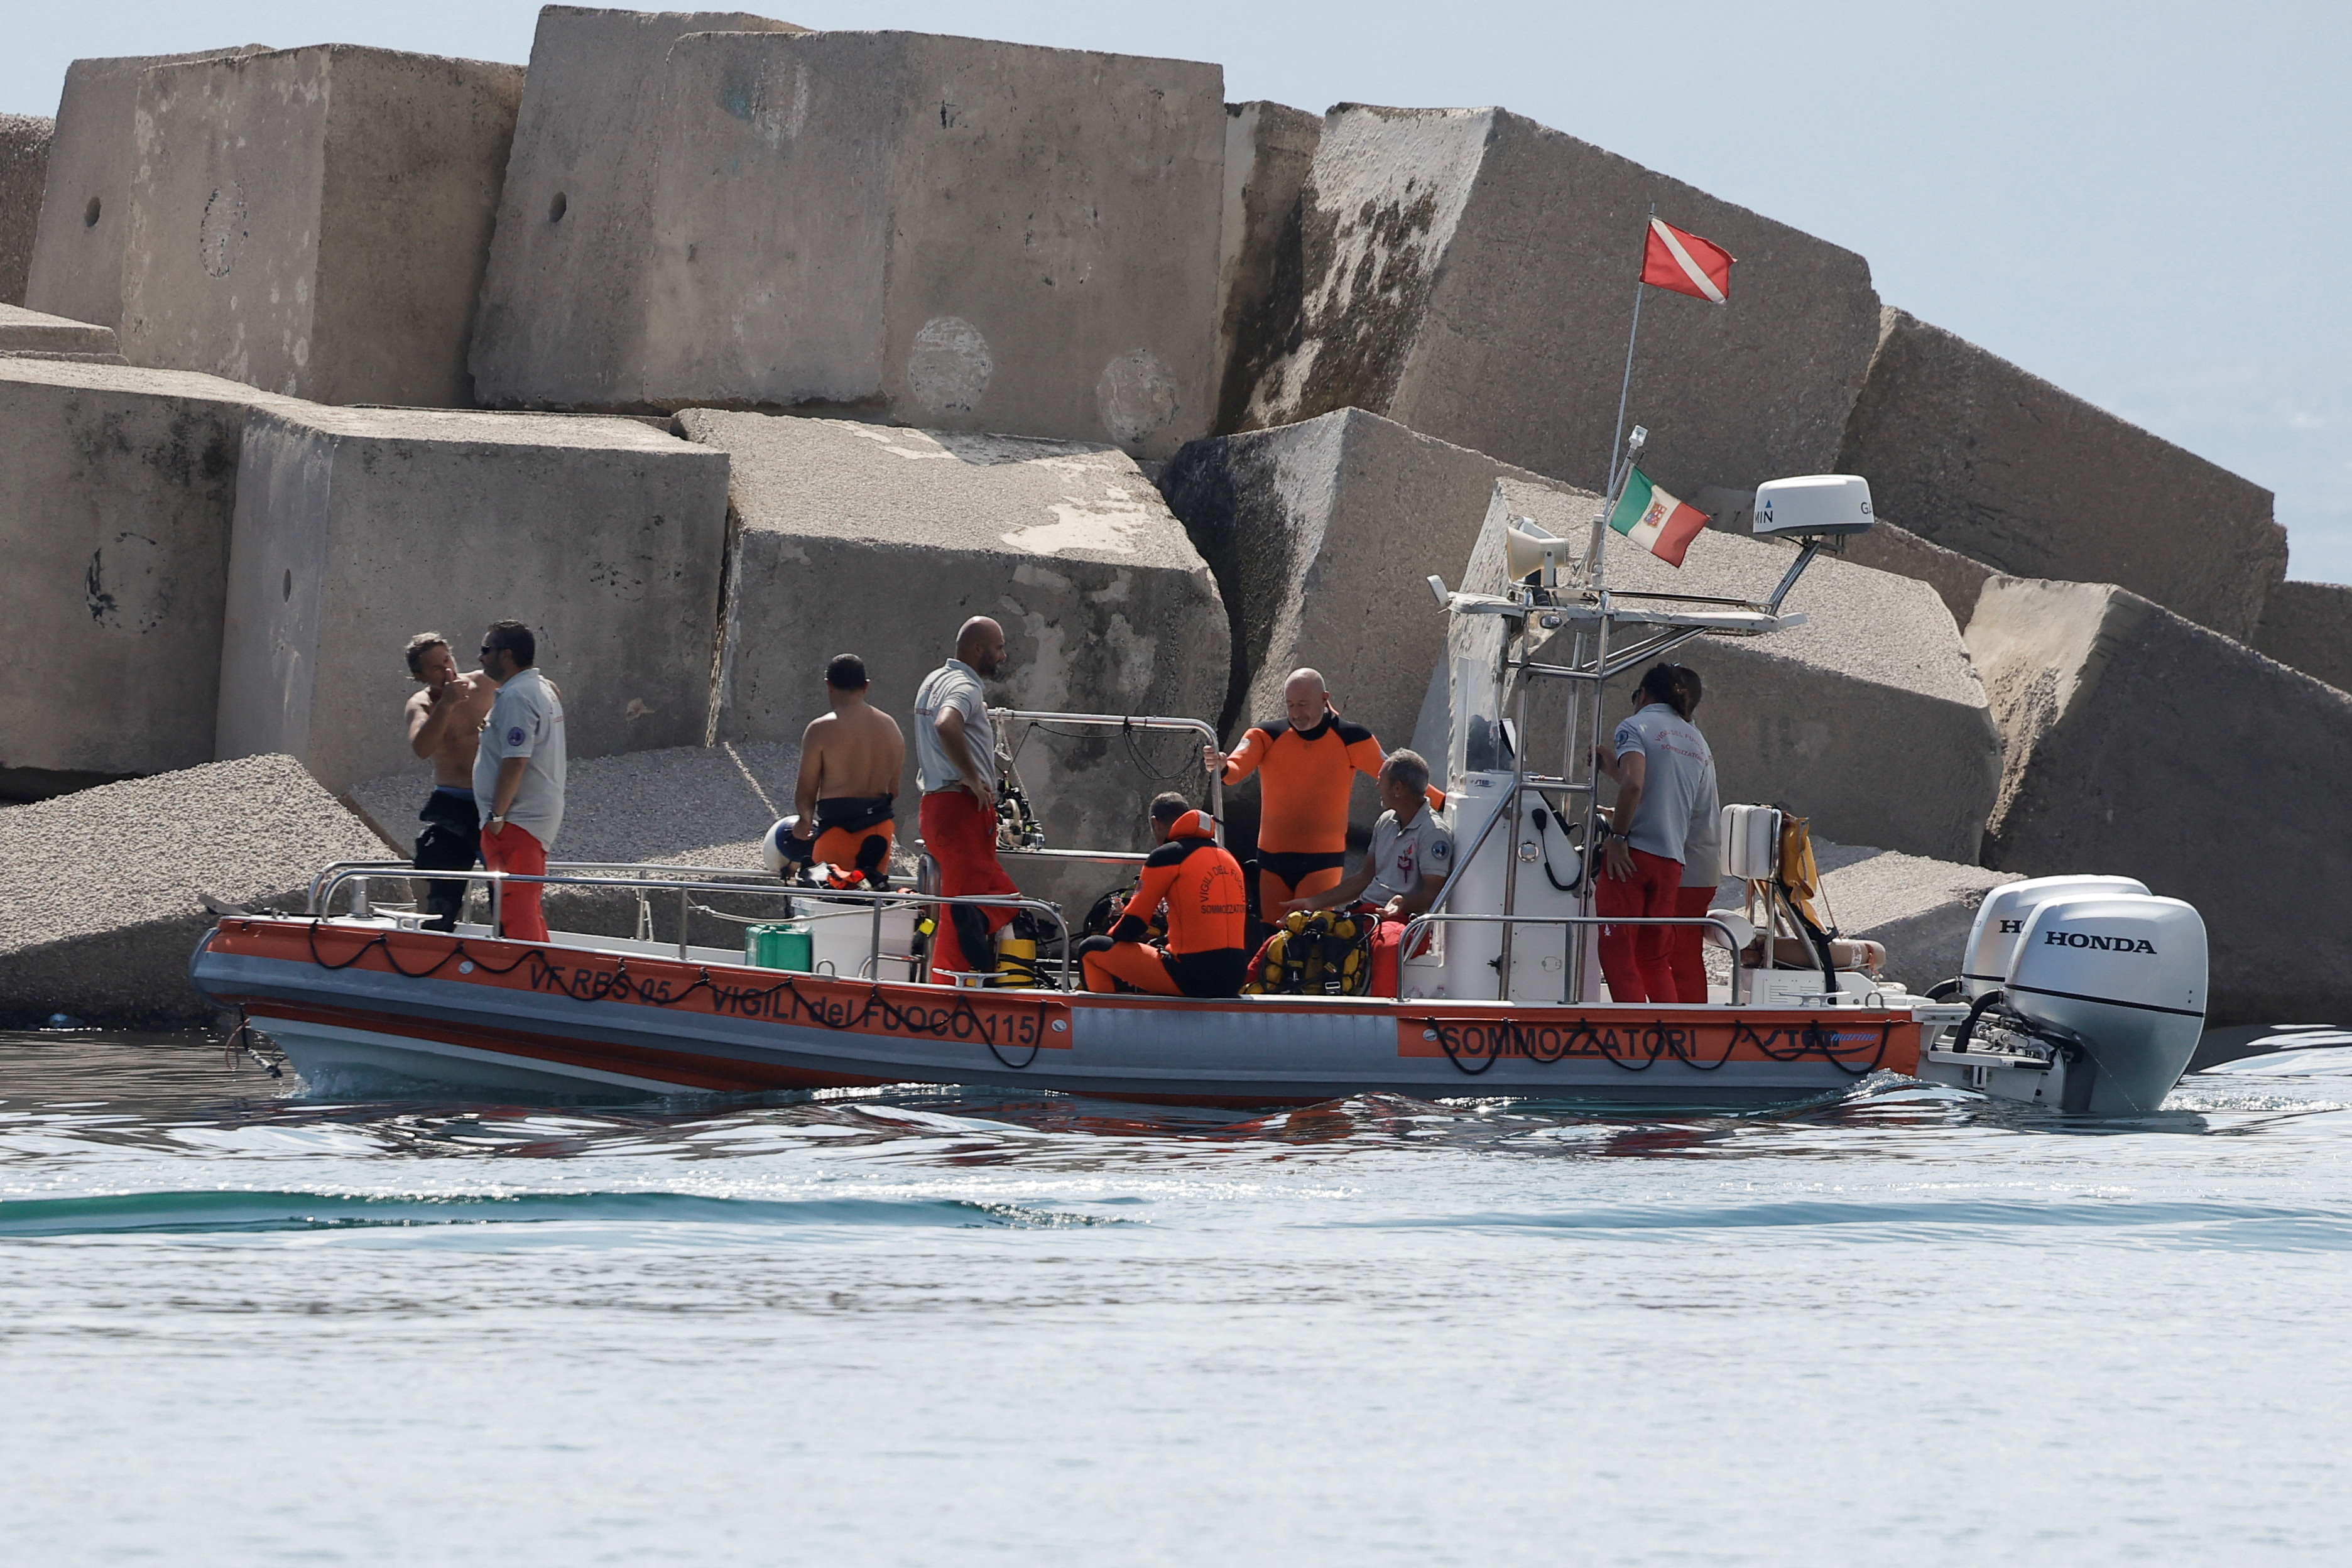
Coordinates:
<point>496,819</point>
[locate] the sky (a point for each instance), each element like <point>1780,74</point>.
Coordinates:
<point>2144,202</point>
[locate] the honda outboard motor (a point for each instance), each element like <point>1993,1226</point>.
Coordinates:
<point>2122,977</point>
<point>2007,911</point>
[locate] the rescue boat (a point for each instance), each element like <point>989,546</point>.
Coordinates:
<point>2083,994</point>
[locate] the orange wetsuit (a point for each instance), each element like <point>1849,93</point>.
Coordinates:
<point>1201,883</point>
<point>1302,825</point>
<point>1304,778</point>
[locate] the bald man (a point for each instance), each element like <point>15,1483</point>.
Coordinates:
<point>955,767</point>
<point>1306,762</point>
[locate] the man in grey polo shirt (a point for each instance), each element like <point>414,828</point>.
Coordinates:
<point>955,767</point>
<point>518,774</point>
<point>1661,766</point>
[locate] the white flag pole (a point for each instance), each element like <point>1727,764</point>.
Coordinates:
<point>1620,468</point>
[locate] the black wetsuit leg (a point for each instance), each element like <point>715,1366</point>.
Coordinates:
<point>452,841</point>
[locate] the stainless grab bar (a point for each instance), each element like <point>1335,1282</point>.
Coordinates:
<point>324,886</point>
<point>1200,726</point>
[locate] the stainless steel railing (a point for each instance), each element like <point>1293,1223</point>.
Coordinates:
<point>361,875</point>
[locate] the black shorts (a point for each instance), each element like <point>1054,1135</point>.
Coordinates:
<point>1291,867</point>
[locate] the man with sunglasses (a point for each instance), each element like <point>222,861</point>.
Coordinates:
<point>518,773</point>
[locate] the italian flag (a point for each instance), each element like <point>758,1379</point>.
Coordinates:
<point>1654,520</point>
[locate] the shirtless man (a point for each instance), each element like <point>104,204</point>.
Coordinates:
<point>443,721</point>
<point>850,762</point>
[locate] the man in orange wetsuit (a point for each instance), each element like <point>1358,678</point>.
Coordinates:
<point>1306,762</point>
<point>1201,884</point>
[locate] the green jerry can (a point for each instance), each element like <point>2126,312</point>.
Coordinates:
<point>785,944</point>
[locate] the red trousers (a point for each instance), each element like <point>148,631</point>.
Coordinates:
<point>1687,945</point>
<point>513,848</point>
<point>961,838</point>
<point>1633,959</point>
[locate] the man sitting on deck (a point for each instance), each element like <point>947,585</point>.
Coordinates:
<point>1201,883</point>
<point>1405,870</point>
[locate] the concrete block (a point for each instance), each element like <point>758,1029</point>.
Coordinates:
<point>1868,719</point>
<point>880,541</point>
<point>1270,148</point>
<point>316,221</point>
<point>24,169</point>
<point>31,332</point>
<point>1470,273</point>
<point>1982,458</point>
<point>356,528</point>
<point>562,317</point>
<point>117,489</point>
<point>944,233</point>
<point>1958,579</point>
<point>2308,627</point>
<point>76,262</point>
<point>2140,744</point>
<point>101,891</point>
<point>1320,535</point>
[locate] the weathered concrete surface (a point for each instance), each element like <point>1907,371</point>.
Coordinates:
<point>946,232</point>
<point>562,317</point>
<point>1868,719</point>
<point>879,542</point>
<point>76,262</point>
<point>1469,273</point>
<point>316,221</point>
<point>2308,627</point>
<point>2140,744</point>
<point>1320,535</point>
<point>1922,910</point>
<point>1958,579</point>
<point>24,169</point>
<point>1982,458</point>
<point>33,332</point>
<point>117,489</point>
<point>1270,148</point>
<point>100,891</point>
<point>356,528</point>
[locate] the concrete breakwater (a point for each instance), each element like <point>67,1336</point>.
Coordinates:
<point>712,346</point>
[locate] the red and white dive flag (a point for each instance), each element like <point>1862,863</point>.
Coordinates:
<point>1686,264</point>
<point>1654,520</point>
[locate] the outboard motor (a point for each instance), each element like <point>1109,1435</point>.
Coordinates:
<point>2123,978</point>
<point>2005,913</point>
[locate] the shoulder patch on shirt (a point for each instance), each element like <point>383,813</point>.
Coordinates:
<point>1439,849</point>
<point>514,736</point>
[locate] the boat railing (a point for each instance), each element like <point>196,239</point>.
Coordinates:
<point>1419,924</point>
<point>1126,723</point>
<point>683,881</point>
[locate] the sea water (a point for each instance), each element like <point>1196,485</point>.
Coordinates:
<point>242,1323</point>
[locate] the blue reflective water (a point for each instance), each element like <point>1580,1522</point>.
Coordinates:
<point>237,1325</point>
